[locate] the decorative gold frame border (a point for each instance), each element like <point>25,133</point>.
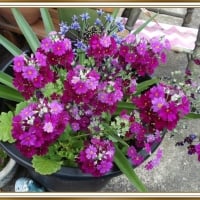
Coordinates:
<point>102,3</point>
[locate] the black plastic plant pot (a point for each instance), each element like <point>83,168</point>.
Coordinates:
<point>67,179</point>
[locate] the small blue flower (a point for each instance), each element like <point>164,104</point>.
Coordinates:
<point>120,26</point>
<point>109,18</point>
<point>75,26</point>
<point>98,22</point>
<point>100,12</point>
<point>81,45</point>
<point>63,28</point>
<point>74,18</point>
<point>85,16</point>
<point>117,38</point>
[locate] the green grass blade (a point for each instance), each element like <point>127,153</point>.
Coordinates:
<point>115,13</point>
<point>27,31</point>
<point>6,79</point>
<point>47,20</point>
<point>10,94</point>
<point>14,50</point>
<point>192,116</point>
<point>140,28</point>
<point>125,166</point>
<point>145,85</point>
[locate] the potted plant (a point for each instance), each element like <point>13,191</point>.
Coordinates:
<point>88,106</point>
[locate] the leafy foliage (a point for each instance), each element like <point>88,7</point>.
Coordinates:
<point>6,126</point>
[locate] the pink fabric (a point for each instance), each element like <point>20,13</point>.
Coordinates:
<point>182,39</point>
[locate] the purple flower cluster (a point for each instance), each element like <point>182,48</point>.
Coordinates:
<point>97,157</point>
<point>84,92</point>
<point>39,125</point>
<point>162,106</point>
<point>33,73</point>
<point>193,145</point>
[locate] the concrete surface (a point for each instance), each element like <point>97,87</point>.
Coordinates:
<point>177,171</point>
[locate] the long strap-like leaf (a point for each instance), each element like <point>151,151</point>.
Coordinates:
<point>47,20</point>
<point>124,165</point>
<point>6,80</point>
<point>14,50</point>
<point>27,31</point>
<point>10,94</point>
<point>140,28</point>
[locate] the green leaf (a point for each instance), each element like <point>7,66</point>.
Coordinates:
<point>47,20</point>
<point>14,50</point>
<point>20,106</point>
<point>45,166</point>
<point>81,55</point>
<point>10,94</point>
<point>5,127</point>
<point>6,80</point>
<point>25,28</point>
<point>125,106</point>
<point>192,116</point>
<point>125,166</point>
<point>144,24</point>
<point>115,13</point>
<point>145,85</point>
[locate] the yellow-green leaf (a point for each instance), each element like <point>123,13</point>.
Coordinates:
<point>5,127</point>
<point>45,166</point>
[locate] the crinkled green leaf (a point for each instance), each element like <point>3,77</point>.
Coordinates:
<point>45,166</point>
<point>5,127</point>
<point>20,106</point>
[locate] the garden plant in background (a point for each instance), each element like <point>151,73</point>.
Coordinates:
<point>91,100</point>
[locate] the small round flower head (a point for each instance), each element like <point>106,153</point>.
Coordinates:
<point>29,72</point>
<point>18,63</point>
<point>156,45</point>
<point>97,157</point>
<point>105,41</point>
<point>59,48</point>
<point>100,12</point>
<point>158,103</point>
<point>130,38</point>
<point>55,107</point>
<point>85,16</point>
<point>109,18</point>
<point>98,22</point>
<point>75,26</point>
<point>64,28</point>
<point>46,44</point>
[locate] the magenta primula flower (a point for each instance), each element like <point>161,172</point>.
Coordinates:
<point>39,128</point>
<point>59,48</point>
<point>105,41</point>
<point>19,63</point>
<point>156,45</point>
<point>97,157</point>
<point>29,73</point>
<point>46,44</point>
<point>158,103</point>
<point>41,58</point>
